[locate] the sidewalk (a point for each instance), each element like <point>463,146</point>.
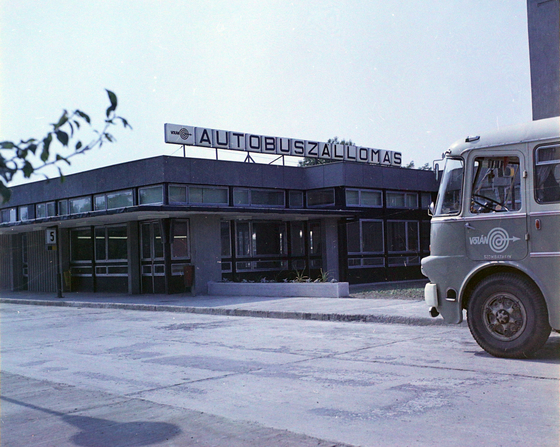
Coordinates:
<point>365,310</point>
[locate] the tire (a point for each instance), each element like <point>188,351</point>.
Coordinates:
<point>507,316</point>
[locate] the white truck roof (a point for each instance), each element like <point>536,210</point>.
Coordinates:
<point>544,129</point>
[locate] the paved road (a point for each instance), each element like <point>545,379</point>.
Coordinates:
<point>113,377</point>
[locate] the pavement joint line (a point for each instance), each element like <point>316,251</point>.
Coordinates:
<point>450,368</point>
<point>236,312</point>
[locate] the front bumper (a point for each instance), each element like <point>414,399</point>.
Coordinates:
<point>444,277</point>
<point>430,295</point>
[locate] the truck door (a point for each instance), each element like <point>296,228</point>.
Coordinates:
<point>496,222</point>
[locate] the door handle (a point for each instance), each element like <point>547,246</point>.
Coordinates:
<point>469,226</point>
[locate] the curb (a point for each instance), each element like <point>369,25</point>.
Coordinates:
<point>228,312</point>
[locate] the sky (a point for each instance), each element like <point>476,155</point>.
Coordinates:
<point>411,76</point>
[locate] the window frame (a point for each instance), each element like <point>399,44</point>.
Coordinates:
<point>537,164</point>
<point>406,195</point>
<point>250,192</point>
<point>151,187</point>
<point>408,249</point>
<point>360,203</point>
<point>310,193</point>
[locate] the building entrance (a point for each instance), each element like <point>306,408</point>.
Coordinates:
<point>152,254</point>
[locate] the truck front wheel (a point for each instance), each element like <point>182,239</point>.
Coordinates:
<point>507,316</point>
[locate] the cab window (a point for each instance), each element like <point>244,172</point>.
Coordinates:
<point>451,188</point>
<point>496,185</point>
<point>547,174</point>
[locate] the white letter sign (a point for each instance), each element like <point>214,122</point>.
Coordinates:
<point>240,141</point>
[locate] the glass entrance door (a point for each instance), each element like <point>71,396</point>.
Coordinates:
<point>153,267</point>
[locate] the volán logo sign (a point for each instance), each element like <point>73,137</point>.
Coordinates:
<point>239,141</point>
<point>497,239</point>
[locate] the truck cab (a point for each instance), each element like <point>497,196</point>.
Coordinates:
<point>495,238</point>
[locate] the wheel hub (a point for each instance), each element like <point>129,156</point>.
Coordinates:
<point>505,316</point>
<point>502,316</point>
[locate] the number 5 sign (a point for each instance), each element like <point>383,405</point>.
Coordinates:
<point>50,236</point>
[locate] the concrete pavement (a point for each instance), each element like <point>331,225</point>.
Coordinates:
<point>383,309</point>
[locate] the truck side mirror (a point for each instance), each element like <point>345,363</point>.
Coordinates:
<point>431,209</point>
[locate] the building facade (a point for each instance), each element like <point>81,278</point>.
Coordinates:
<point>171,224</point>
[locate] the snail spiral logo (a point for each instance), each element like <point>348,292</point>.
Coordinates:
<point>184,134</point>
<point>498,239</point>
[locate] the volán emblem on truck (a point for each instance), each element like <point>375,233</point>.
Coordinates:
<point>495,238</point>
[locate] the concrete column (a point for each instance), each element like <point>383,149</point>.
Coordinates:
<point>330,248</point>
<point>64,247</point>
<point>6,264</point>
<point>17,262</point>
<point>133,244</point>
<point>206,251</point>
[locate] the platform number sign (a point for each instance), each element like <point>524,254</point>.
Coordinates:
<point>50,236</point>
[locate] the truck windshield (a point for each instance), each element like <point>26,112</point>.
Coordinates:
<point>451,188</point>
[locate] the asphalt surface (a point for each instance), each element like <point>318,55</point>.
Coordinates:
<point>361,307</point>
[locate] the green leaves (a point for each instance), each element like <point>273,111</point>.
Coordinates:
<point>62,137</point>
<point>62,132</point>
<point>46,145</point>
<point>113,100</point>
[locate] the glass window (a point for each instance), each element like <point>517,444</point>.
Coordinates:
<point>352,197</point>
<point>425,236</point>
<point>267,198</point>
<point>425,200</point>
<point>41,211</point>
<point>63,207</point>
<point>226,238</point>
<point>152,194</point>
<point>451,188</point>
<point>395,200</point>
<point>146,238</point>
<point>402,236</point>
<point>51,209</point>
<point>99,202</point>
<point>23,213</point>
<point>364,197</point>
<point>320,197</point>
<point>371,198</point>
<point>396,234</point>
<point>152,245</point>
<point>353,236</point>
<point>296,199</point>
<point>411,200</point>
<point>547,174</point>
<point>269,238</point>
<point>9,215</point>
<point>298,238</point>
<point>100,244</point>
<point>365,236</point>
<point>177,194</point>
<point>111,243</point>
<point>80,205</point>
<point>180,242</point>
<point>158,241</point>
<point>117,243</point>
<point>258,197</point>
<point>243,239</point>
<point>402,199</point>
<point>496,185</point>
<point>81,244</point>
<point>241,196</point>
<point>260,238</point>
<point>218,196</point>
<point>372,236</point>
<point>315,243</point>
<point>120,199</point>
